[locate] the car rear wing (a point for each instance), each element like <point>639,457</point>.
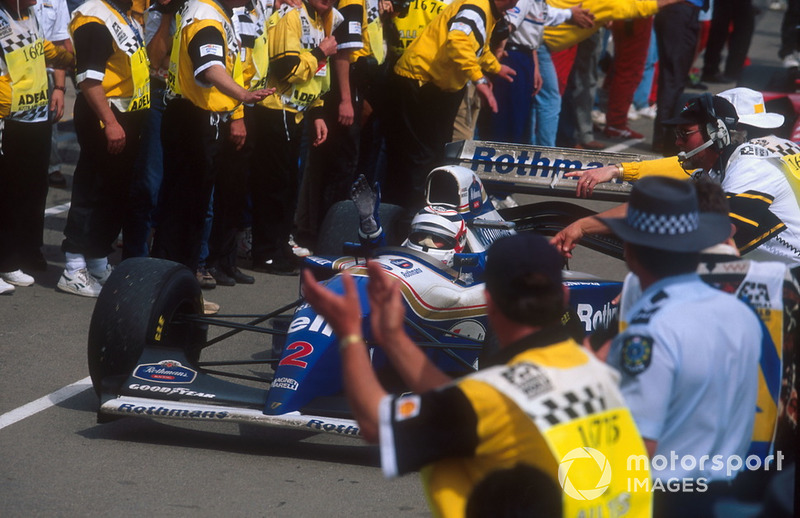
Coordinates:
<point>526,169</point>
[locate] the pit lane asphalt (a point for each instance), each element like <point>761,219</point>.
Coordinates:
<point>60,462</point>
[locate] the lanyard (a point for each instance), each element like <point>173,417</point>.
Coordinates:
<point>136,34</point>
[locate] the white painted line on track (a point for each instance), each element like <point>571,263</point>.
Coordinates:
<point>58,209</point>
<point>43,403</point>
<point>622,146</point>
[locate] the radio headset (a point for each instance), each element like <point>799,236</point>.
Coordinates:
<point>716,129</point>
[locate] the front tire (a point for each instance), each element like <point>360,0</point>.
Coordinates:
<point>139,306</point>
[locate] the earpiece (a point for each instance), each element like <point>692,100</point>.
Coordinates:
<point>716,129</point>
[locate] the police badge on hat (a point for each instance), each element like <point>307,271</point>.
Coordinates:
<point>637,352</point>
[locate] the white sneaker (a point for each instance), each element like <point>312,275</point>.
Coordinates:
<point>103,276</point>
<point>791,61</point>
<point>297,250</point>
<point>649,112</point>
<point>81,283</point>
<point>6,288</point>
<point>598,117</point>
<point>633,113</point>
<point>17,278</point>
<point>244,244</point>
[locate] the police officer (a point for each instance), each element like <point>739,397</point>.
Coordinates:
<point>691,381</point>
<point>527,405</point>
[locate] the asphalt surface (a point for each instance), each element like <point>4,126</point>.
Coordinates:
<point>56,460</point>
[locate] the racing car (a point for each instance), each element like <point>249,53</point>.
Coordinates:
<point>148,336</point>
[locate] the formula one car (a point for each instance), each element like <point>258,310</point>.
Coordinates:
<point>148,339</point>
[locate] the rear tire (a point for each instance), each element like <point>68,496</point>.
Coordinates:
<point>340,226</point>
<point>138,307</point>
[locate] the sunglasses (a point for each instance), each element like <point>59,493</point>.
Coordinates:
<point>682,133</point>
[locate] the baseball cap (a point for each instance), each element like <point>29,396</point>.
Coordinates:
<point>749,106</point>
<point>697,111</point>
<point>512,258</point>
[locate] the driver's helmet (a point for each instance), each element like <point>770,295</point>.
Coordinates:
<point>439,232</point>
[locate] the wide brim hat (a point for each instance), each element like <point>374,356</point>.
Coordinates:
<point>663,214</point>
<point>750,108</point>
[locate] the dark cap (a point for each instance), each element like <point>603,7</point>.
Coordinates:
<point>704,109</point>
<point>513,258</point>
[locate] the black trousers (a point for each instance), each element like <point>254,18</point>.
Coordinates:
<point>676,28</point>
<point>191,138</point>
<point>273,181</point>
<point>742,15</point>
<point>23,177</point>
<point>101,184</point>
<point>421,124</point>
<point>230,197</point>
<point>790,38</point>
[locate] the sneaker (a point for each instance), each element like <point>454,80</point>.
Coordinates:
<point>239,276</point>
<point>17,278</point>
<point>6,288</point>
<point>649,112</point>
<point>103,276</point>
<point>624,132</point>
<point>633,113</point>
<point>276,267</point>
<point>207,282</point>
<point>210,308</point>
<point>299,251</point>
<point>221,278</point>
<point>244,244</point>
<point>79,283</point>
<point>598,117</point>
<point>791,60</point>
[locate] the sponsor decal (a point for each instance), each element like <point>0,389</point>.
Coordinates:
<point>354,28</point>
<point>411,273</point>
<point>160,411</point>
<point>166,371</point>
<point>168,391</point>
<point>402,263</point>
<point>319,424</point>
<point>474,197</point>
<point>529,378</point>
<point>285,383</point>
<point>469,328</point>
<point>524,164</point>
<point>315,326</point>
<point>637,352</point>
<point>319,260</point>
<point>211,50</point>
<point>592,319</point>
<point>406,407</point>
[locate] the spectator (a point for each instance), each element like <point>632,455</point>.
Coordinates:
<point>460,431</point>
<point>427,88</point>
<point>203,93</point>
<point>24,139</point>
<point>113,76</point>
<point>732,22</point>
<point>691,381</point>
<point>300,45</point>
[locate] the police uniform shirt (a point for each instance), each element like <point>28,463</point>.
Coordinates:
<point>54,17</point>
<point>465,430</point>
<point>689,363</point>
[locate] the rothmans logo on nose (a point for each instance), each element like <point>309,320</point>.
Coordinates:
<point>663,224</point>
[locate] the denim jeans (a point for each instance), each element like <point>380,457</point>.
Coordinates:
<point>641,97</point>
<point>546,104</point>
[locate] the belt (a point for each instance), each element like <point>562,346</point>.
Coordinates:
<point>518,48</point>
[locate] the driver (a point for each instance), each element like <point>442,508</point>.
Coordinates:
<point>439,232</point>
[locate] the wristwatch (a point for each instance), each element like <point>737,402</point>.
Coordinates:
<point>481,81</point>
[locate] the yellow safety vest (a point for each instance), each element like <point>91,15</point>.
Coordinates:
<point>25,65</point>
<point>126,34</point>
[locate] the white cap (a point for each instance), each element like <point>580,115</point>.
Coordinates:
<point>750,108</point>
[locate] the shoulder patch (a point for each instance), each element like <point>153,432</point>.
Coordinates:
<point>637,352</point>
<point>406,407</point>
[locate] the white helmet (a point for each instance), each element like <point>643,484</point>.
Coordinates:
<point>439,232</point>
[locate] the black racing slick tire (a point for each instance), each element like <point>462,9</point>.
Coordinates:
<point>139,306</point>
<point>340,226</point>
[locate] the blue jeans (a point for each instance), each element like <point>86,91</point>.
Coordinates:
<point>148,174</point>
<point>546,104</point>
<point>642,94</point>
